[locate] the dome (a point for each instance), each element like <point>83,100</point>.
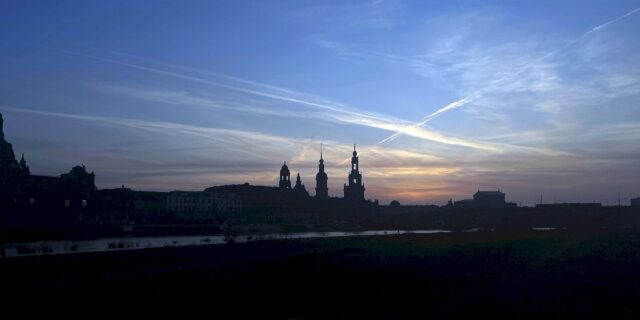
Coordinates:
<point>321,175</point>
<point>285,169</point>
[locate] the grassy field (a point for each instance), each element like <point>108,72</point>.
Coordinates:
<point>528,274</point>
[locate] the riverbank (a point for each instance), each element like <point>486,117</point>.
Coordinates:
<point>15,250</point>
<point>480,274</point>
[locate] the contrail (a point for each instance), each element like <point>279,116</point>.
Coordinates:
<point>339,113</point>
<point>613,21</point>
<point>464,101</point>
<point>430,117</point>
<point>598,28</point>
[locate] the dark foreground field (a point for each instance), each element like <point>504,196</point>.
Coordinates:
<point>550,274</point>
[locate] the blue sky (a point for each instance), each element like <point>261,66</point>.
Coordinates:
<point>442,97</point>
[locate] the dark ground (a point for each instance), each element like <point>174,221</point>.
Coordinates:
<point>551,274</point>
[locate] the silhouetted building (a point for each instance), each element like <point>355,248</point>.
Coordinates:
<point>78,181</point>
<point>13,175</point>
<point>285,177</point>
<point>75,189</point>
<point>200,205</point>
<point>8,163</point>
<point>354,190</point>
<point>150,202</point>
<point>489,198</point>
<point>466,203</point>
<point>24,169</point>
<point>299,187</point>
<point>255,197</point>
<point>322,191</point>
<point>635,202</point>
<point>576,205</point>
<point>20,189</point>
<point>485,199</point>
<point>116,200</point>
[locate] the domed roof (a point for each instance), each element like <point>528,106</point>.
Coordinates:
<point>285,169</point>
<point>321,174</point>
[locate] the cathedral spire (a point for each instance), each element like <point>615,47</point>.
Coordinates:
<point>321,178</point>
<point>23,165</point>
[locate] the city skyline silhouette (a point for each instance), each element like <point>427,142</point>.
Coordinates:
<point>443,99</point>
<point>300,159</point>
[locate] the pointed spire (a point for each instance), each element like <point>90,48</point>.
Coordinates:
<point>320,150</point>
<point>23,165</point>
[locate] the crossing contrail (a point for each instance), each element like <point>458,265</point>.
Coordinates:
<point>466,100</point>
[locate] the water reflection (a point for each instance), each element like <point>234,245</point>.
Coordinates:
<point>112,244</point>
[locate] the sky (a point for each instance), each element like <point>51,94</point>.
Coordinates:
<point>539,99</point>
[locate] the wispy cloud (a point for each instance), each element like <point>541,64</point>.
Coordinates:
<point>601,26</point>
<point>247,155</point>
<point>333,111</point>
<point>425,120</point>
<point>493,77</point>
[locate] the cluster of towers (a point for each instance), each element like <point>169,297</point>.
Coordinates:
<point>353,190</point>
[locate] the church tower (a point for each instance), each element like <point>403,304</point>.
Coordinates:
<point>299,187</point>
<point>354,190</point>
<point>23,166</point>
<point>321,179</point>
<point>285,177</point>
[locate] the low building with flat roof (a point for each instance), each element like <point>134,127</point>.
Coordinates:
<point>203,205</point>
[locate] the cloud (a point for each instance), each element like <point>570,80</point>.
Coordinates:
<point>601,26</point>
<point>425,120</point>
<point>539,76</point>
<point>331,111</point>
<point>226,155</point>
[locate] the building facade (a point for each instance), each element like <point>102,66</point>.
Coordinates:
<point>484,199</point>
<point>19,189</point>
<point>489,198</point>
<point>202,202</point>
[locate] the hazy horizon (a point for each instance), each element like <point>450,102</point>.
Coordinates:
<point>441,98</point>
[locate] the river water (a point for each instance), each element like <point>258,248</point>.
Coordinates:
<point>133,243</point>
